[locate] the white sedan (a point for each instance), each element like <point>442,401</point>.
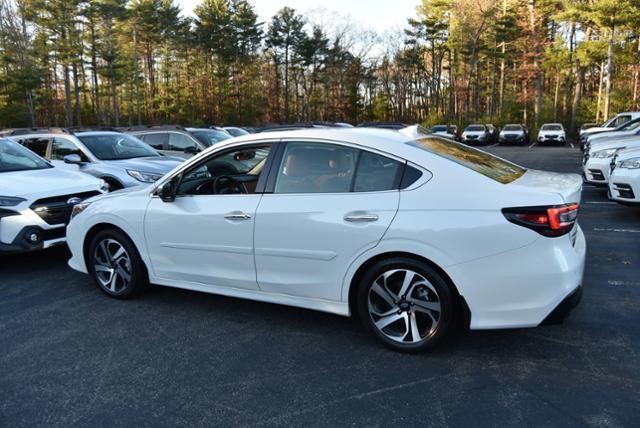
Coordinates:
<point>411,235</point>
<point>624,182</point>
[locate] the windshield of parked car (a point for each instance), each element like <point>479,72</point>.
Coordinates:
<point>629,126</point>
<point>117,146</point>
<point>512,128</point>
<point>439,128</point>
<point>481,162</point>
<point>475,128</point>
<point>14,157</point>
<point>552,127</point>
<point>209,137</point>
<point>236,132</point>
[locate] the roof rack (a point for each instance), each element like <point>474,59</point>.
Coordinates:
<point>29,131</point>
<point>273,127</point>
<point>383,125</point>
<point>137,128</point>
<point>94,129</point>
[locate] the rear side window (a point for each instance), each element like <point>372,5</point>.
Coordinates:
<point>377,173</point>
<point>157,141</point>
<point>481,162</point>
<point>38,146</point>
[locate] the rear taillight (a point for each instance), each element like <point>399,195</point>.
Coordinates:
<point>550,221</point>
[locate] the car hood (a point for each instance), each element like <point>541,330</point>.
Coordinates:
<point>512,133</point>
<point>628,154</point>
<point>550,132</point>
<point>568,186</point>
<point>476,133</point>
<point>153,164</point>
<point>607,136</point>
<point>615,144</point>
<point>46,182</point>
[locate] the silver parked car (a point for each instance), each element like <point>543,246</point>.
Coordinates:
<point>175,140</point>
<point>119,159</point>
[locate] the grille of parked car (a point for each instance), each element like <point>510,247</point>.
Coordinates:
<point>57,209</point>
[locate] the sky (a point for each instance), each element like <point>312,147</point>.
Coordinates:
<point>378,15</point>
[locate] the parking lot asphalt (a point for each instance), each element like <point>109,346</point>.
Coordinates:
<point>69,355</point>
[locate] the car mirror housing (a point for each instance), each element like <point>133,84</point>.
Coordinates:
<point>72,159</point>
<point>168,191</point>
<point>192,150</point>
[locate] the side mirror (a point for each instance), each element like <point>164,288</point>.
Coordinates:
<point>192,150</point>
<point>168,191</point>
<point>72,159</point>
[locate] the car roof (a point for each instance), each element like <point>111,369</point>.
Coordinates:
<point>94,133</point>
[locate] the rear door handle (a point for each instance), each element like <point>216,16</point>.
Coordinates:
<point>361,218</point>
<point>237,215</point>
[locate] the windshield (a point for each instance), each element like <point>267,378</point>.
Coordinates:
<point>475,128</point>
<point>481,162</point>
<point>551,128</point>
<point>512,128</point>
<point>439,128</point>
<point>117,146</point>
<point>209,137</point>
<point>14,157</point>
<point>629,126</point>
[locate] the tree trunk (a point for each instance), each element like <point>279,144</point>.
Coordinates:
<point>607,91</point>
<point>67,97</point>
<point>137,74</point>
<point>76,90</point>
<point>94,72</point>
<point>598,103</point>
<point>286,83</point>
<point>556,94</point>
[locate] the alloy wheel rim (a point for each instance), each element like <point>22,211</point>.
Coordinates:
<point>404,306</point>
<point>112,265</point>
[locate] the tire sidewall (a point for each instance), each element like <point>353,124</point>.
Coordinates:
<point>139,277</point>
<point>447,302</point>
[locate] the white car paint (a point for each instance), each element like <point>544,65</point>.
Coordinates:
<point>624,181</point>
<point>614,122</point>
<point>297,249</point>
<point>19,220</point>
<point>552,133</point>
<point>597,160</point>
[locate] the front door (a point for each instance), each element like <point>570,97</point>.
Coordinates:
<point>205,236</point>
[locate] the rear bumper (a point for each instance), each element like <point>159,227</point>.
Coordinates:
<point>564,308</point>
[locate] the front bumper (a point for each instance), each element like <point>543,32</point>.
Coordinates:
<point>596,171</point>
<point>516,140</point>
<point>624,186</point>
<point>25,231</point>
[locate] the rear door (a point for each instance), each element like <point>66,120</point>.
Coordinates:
<point>329,203</point>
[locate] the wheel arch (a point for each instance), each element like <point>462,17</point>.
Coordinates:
<point>99,227</point>
<point>465,314</point>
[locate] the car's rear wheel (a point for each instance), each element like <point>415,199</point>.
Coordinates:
<point>115,265</point>
<point>406,304</point>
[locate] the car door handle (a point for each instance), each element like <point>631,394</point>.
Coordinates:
<point>360,218</point>
<point>237,215</point>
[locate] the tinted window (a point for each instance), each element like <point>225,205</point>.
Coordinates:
<point>620,120</point>
<point>117,146</point>
<point>512,128</point>
<point>233,172</point>
<point>481,162</point>
<point>376,173</point>
<point>14,157</point>
<point>180,142</point>
<point>158,141</point>
<point>552,127</point>
<point>63,147</point>
<point>475,128</point>
<point>316,168</point>
<point>439,128</point>
<point>210,137</point>
<point>39,146</point>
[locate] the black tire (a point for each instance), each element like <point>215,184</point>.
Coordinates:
<point>138,275</point>
<point>437,330</point>
<point>113,184</point>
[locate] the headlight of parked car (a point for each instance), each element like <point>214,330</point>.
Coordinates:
<point>78,208</point>
<point>603,154</point>
<point>145,177</point>
<point>10,201</point>
<point>631,163</point>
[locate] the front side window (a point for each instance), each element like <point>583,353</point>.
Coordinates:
<point>233,172</point>
<point>39,146</point>
<point>181,142</point>
<point>63,147</point>
<point>14,157</point>
<point>481,162</point>
<point>117,147</point>
<point>316,168</point>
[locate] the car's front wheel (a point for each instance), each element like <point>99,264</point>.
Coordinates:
<point>406,304</point>
<point>115,265</point>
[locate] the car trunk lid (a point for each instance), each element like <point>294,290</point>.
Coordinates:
<point>568,186</point>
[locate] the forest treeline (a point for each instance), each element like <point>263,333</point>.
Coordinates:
<point>119,62</point>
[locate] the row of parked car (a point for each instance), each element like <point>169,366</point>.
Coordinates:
<point>611,157</point>
<point>479,134</point>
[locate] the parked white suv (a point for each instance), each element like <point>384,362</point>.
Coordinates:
<point>624,181</point>
<point>596,163</point>
<point>552,133</point>
<point>36,199</point>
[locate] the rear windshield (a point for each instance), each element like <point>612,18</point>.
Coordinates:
<point>475,128</point>
<point>552,127</point>
<point>512,128</point>
<point>481,162</point>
